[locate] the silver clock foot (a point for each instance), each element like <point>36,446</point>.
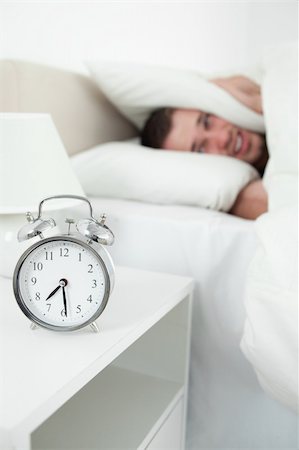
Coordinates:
<point>94,327</point>
<point>33,326</point>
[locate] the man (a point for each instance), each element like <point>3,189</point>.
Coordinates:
<point>197,131</point>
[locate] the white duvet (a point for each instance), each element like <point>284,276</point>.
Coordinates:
<point>270,339</point>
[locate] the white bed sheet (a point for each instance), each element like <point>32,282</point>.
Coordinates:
<point>227,407</point>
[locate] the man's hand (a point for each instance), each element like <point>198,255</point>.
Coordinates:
<point>243,89</point>
<point>251,202</point>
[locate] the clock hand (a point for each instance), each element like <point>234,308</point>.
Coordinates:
<point>53,292</point>
<point>62,283</point>
<point>64,300</point>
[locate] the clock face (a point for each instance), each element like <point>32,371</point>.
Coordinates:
<point>61,283</point>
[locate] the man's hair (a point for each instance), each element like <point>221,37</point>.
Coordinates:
<point>157,128</point>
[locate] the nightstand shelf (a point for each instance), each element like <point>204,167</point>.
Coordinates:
<point>125,387</point>
<point>110,413</point>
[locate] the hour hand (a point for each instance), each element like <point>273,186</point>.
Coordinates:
<point>53,292</point>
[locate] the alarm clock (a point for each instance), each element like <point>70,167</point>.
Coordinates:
<point>63,282</point>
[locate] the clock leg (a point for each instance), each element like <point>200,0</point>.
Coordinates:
<point>33,326</point>
<point>94,327</point>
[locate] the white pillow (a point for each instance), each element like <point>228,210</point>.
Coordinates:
<point>130,171</point>
<point>138,89</point>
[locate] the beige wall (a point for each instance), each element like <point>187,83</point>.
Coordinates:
<point>82,115</point>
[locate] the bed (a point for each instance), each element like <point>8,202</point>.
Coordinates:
<point>228,408</point>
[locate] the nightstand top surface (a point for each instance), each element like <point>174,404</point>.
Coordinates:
<point>42,369</point>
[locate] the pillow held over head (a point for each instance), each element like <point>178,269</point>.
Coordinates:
<point>138,89</point>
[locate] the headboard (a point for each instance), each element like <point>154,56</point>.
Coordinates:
<point>81,113</point>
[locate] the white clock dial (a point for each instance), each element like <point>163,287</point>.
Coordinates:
<point>62,283</point>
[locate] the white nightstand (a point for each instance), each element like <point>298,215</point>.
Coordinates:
<point>125,387</point>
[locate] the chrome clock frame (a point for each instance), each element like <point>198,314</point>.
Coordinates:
<point>106,264</point>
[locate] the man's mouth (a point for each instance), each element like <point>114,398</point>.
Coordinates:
<point>238,145</point>
<point>241,144</point>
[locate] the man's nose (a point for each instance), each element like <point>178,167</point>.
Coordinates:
<point>218,141</point>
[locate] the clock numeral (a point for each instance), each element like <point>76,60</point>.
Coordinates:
<point>38,266</point>
<point>63,313</point>
<point>80,257</point>
<point>49,256</point>
<point>94,284</point>
<point>49,306</point>
<point>89,299</point>
<point>37,296</point>
<point>33,280</point>
<point>64,252</point>
<point>78,309</point>
<point>90,270</point>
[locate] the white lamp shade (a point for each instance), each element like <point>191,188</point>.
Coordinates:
<point>33,163</point>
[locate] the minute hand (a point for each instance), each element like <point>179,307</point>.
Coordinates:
<point>53,292</point>
<point>64,300</point>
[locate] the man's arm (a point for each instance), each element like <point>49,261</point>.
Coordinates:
<point>243,89</point>
<point>251,202</point>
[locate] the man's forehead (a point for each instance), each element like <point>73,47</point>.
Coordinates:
<point>186,113</point>
<point>180,136</point>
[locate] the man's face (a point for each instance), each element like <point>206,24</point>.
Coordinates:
<point>195,131</point>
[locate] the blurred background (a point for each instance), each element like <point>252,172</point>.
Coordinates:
<point>203,35</point>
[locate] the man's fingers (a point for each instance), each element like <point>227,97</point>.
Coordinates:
<point>243,89</point>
